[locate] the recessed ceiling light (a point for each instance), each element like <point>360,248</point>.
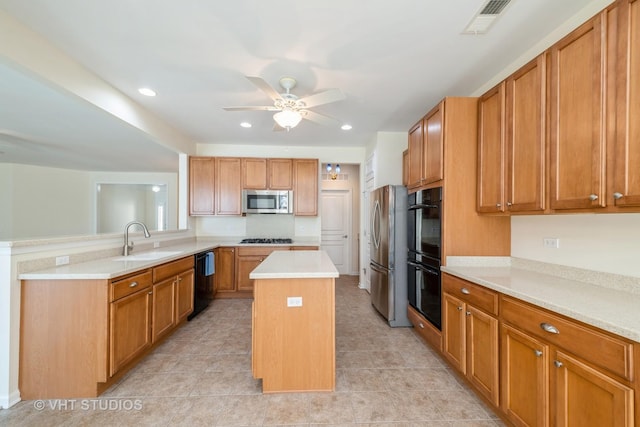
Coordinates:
<point>346,127</point>
<point>147,92</point>
<point>245,124</point>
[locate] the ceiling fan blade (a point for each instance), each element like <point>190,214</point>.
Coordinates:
<point>265,87</point>
<point>252,108</point>
<point>331,95</point>
<point>320,118</point>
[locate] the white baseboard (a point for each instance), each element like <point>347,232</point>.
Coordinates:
<point>8,401</point>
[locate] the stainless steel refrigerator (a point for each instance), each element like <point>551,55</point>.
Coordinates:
<point>388,252</point>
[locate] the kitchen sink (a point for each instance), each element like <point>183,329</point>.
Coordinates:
<point>147,256</point>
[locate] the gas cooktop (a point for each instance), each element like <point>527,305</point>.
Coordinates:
<point>269,241</point>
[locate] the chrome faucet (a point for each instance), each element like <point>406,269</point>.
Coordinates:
<point>129,246</point>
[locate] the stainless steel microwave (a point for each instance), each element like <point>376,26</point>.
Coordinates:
<point>267,202</point>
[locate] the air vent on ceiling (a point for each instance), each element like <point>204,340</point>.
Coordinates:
<point>487,15</point>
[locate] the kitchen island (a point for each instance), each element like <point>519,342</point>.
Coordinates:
<point>293,322</point>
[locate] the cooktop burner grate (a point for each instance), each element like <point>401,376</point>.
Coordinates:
<point>269,241</point>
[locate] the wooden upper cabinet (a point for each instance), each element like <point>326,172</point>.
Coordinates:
<point>228,186</point>
<point>280,174</point>
<point>576,118</point>
<point>525,137</point>
<point>625,164</point>
<point>305,192</point>
<point>433,147</point>
<point>405,168</point>
<point>254,174</point>
<point>415,156</point>
<point>201,185</point>
<point>491,150</point>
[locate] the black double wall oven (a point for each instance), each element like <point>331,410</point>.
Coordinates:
<point>424,253</point>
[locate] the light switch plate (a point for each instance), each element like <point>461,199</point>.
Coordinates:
<point>549,242</point>
<point>294,301</point>
<point>62,260</point>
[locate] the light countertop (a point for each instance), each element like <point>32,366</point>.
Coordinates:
<point>112,267</point>
<point>607,305</point>
<point>295,264</point>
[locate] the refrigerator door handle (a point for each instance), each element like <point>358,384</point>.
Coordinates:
<point>375,224</point>
<point>422,268</point>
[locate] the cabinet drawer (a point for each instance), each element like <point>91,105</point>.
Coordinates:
<point>173,268</point>
<point>607,352</point>
<point>478,296</point>
<point>122,287</point>
<point>259,250</point>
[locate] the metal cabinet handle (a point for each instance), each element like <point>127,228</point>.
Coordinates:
<point>538,353</point>
<point>468,313</point>
<point>617,195</point>
<point>421,325</point>
<point>557,363</point>
<point>509,203</point>
<point>465,291</point>
<point>547,327</point>
<point>150,293</point>
<point>593,197</point>
<point>498,205</point>
<point>179,279</point>
<point>459,308</point>
<point>133,284</point>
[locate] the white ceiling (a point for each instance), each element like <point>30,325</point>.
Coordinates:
<point>392,59</point>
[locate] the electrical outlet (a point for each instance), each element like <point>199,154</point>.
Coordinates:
<point>549,242</point>
<point>156,245</point>
<point>62,260</point>
<point>294,301</point>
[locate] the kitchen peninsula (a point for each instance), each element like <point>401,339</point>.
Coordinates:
<point>293,322</point>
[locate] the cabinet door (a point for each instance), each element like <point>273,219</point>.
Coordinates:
<point>163,317</point>
<point>524,365</point>
<point>491,151</point>
<point>228,186</point>
<point>525,159</point>
<point>586,397</point>
<point>453,331</point>
<point>184,295</point>
<point>244,266</point>
<point>305,193</point>
<point>576,119</point>
<point>254,174</point>
<point>129,329</point>
<point>201,185</point>
<point>433,148</point>
<point>626,156</point>
<point>415,155</point>
<point>280,174</point>
<point>225,277</point>
<point>482,352</point>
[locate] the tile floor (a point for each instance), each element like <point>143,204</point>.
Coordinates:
<point>385,377</point>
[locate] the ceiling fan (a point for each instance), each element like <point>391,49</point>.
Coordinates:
<point>291,109</point>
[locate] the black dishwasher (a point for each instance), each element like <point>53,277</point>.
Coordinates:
<point>203,282</point>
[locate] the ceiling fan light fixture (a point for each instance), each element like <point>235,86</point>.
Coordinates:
<point>287,118</point>
<point>346,126</point>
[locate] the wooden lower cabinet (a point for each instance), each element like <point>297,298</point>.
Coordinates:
<point>78,337</point>
<point>247,259</point>
<point>224,280</point>
<point>584,396</point>
<point>524,386</point>
<point>129,329</point>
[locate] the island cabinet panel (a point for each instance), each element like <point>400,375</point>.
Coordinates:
<point>63,338</point>
<point>625,158</point>
<point>294,345</point>
<point>576,118</point>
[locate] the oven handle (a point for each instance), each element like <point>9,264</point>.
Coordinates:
<point>423,268</point>
<point>421,206</point>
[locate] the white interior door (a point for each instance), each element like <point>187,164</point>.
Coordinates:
<point>336,228</point>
